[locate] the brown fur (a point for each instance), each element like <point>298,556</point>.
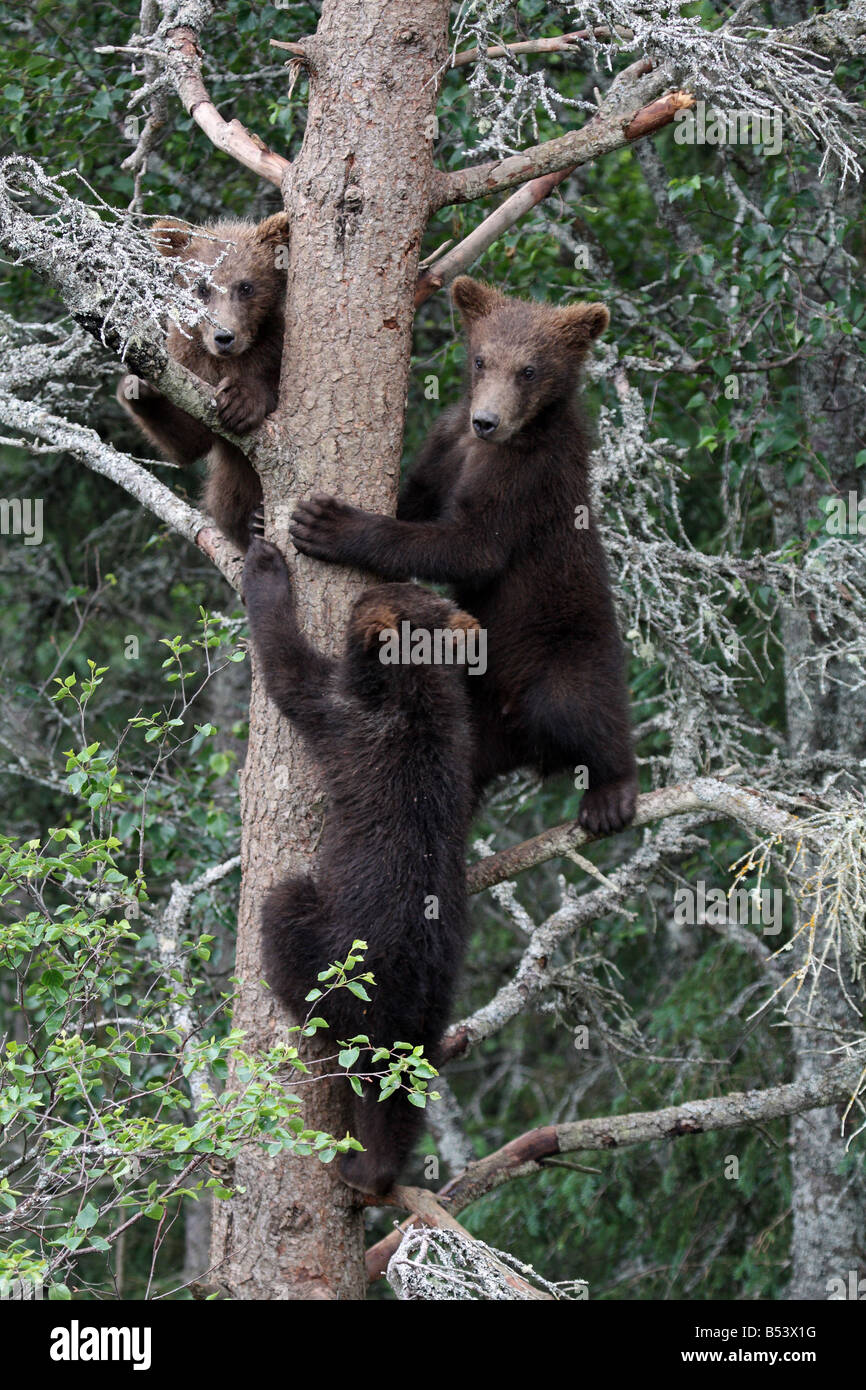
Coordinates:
<point>394,746</point>
<point>490,509</point>
<point>369,621</point>
<point>237,350</point>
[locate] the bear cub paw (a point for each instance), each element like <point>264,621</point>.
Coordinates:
<point>241,407</point>
<point>608,808</point>
<point>266,579</point>
<point>322,526</point>
<point>361,1171</point>
<point>132,388</point>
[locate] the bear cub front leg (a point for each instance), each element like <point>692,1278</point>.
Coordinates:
<point>243,405</point>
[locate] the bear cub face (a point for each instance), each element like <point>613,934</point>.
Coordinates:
<point>522,357</point>
<point>236,272</point>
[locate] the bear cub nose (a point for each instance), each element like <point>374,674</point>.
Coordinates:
<point>223,338</point>
<point>484,423</point>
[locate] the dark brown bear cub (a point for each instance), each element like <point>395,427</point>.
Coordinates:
<point>497,505</point>
<point>394,744</point>
<point>237,349</point>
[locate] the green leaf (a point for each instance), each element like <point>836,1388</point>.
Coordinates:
<point>87,1217</point>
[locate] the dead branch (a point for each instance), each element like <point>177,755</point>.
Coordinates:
<point>789,63</point>
<point>703,794</point>
<point>52,432</point>
<point>560,43</point>
<point>703,799</point>
<point>425,1208</point>
<point>176,51</point>
<point>183,65</point>
<point>454,262</point>
<point>527,1154</point>
<point>447,267</point>
<point>536,970</point>
<point>636,106</point>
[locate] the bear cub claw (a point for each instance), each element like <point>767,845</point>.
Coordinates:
<point>321,525</point>
<point>608,808</point>
<point>135,388</point>
<point>264,557</point>
<point>241,407</point>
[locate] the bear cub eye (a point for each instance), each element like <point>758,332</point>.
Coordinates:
<point>479,363</point>
<point>528,373</point>
<point>202,289</point>
<point>245,289</point>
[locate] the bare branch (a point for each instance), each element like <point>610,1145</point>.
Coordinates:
<point>458,259</point>
<point>183,65</point>
<point>297,48</point>
<point>703,794</point>
<point>560,43</point>
<point>85,445</point>
<point>633,109</point>
<point>453,263</point>
<point>785,71</point>
<point>174,44</point>
<point>536,969</point>
<point>526,1155</point>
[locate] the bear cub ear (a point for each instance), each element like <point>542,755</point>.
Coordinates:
<point>580,323</point>
<point>171,238</point>
<point>464,622</point>
<point>274,231</point>
<point>474,298</point>
<point>373,621</point>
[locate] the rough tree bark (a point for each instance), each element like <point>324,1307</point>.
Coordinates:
<point>359,196</point>
<point>829,1189</point>
<point>829,1192</point>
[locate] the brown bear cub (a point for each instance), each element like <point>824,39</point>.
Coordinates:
<point>497,505</point>
<point>394,744</point>
<point>237,349</point>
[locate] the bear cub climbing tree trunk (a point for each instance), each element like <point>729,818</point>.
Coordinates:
<point>358,198</point>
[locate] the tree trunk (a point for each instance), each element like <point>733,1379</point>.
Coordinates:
<point>829,1203</point>
<point>828,1189</point>
<point>359,199</point>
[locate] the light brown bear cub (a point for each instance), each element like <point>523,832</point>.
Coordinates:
<point>498,506</point>
<point>237,349</point>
